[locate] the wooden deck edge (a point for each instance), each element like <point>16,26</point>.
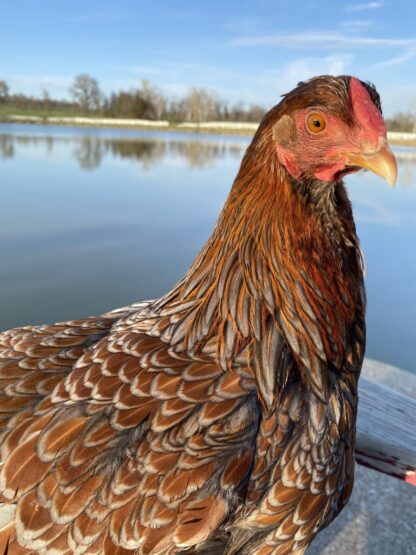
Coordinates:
<point>386,431</point>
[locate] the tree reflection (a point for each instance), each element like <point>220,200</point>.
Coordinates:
<point>202,154</point>
<point>147,153</point>
<point>197,154</point>
<point>6,146</point>
<point>90,150</point>
<point>407,168</point>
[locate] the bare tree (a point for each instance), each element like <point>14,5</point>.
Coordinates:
<point>404,122</point>
<point>45,96</point>
<point>200,105</point>
<point>154,97</point>
<point>4,91</point>
<point>148,102</point>
<point>413,115</point>
<point>86,92</point>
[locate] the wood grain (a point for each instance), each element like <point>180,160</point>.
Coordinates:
<point>386,431</point>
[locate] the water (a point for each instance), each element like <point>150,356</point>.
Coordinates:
<point>94,219</point>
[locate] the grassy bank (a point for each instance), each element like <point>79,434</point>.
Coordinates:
<point>68,118</point>
<point>227,128</point>
<point>7,110</point>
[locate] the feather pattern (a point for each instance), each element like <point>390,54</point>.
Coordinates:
<point>222,414</point>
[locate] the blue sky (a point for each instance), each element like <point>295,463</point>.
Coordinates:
<point>252,51</point>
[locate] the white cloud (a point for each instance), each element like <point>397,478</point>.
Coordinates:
<point>405,56</point>
<point>363,7</point>
<point>321,41</point>
<point>356,25</point>
<point>271,84</point>
<point>244,25</point>
<point>304,68</point>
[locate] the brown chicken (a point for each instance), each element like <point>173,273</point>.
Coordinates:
<point>221,417</point>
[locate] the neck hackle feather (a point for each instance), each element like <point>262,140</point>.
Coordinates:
<point>217,419</point>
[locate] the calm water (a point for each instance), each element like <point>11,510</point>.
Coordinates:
<point>93,219</point>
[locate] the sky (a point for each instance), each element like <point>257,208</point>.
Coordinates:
<point>244,50</point>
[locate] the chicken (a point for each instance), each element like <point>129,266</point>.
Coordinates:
<point>221,417</point>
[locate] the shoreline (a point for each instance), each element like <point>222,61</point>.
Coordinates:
<point>211,127</point>
<point>217,128</point>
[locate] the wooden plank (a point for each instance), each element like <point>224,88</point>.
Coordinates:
<point>386,431</point>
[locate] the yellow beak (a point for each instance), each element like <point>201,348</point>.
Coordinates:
<point>381,161</point>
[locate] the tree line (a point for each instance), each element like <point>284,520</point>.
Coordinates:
<point>148,102</point>
<point>144,102</point>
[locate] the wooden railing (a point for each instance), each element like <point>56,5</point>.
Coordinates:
<point>386,431</point>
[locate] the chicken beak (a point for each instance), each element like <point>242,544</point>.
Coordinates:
<point>381,161</point>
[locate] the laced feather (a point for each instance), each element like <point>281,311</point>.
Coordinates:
<point>222,414</point>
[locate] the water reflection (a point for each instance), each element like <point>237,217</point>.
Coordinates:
<point>407,161</point>
<point>89,151</point>
<point>7,146</point>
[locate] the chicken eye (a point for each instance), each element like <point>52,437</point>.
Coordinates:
<point>315,123</point>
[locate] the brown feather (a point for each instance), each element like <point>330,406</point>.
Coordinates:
<point>222,413</point>
<point>22,470</point>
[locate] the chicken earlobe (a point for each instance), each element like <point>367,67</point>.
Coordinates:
<point>284,131</point>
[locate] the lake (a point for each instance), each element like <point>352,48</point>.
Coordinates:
<point>94,219</point>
